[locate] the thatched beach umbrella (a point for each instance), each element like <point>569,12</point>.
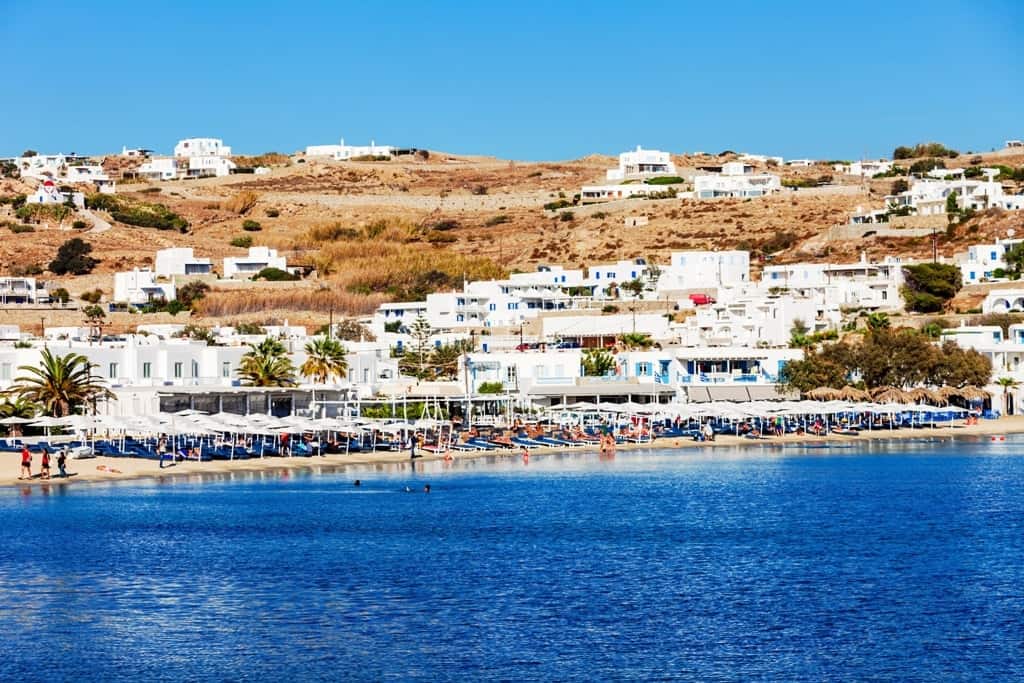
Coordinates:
<point>849,393</point>
<point>973,393</point>
<point>890,395</point>
<point>822,394</point>
<point>923,394</point>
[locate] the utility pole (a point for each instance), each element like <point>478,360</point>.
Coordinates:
<point>330,322</point>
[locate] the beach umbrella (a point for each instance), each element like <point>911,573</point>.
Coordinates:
<point>822,394</point>
<point>890,395</point>
<point>849,393</point>
<point>16,421</point>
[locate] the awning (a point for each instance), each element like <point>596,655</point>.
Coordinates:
<point>770,392</point>
<point>698,394</point>
<point>728,393</point>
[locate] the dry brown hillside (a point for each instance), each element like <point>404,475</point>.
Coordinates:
<point>384,230</point>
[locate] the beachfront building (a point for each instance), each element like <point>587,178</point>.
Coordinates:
<point>1004,351</point>
<point>732,373</point>
<point>201,147</point>
<point>257,259</point>
<point>755,320</point>
<point>140,287</point>
<point>927,197</point>
<point>849,285</point>
<point>864,168</point>
<point>159,169</point>
<point>180,261</point>
<point>22,290</point>
<point>642,163</point>
<point>737,180</point>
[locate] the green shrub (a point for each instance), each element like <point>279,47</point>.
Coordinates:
<point>73,257</point>
<point>149,216</point>
<point>665,180</point>
<point>18,228</point>
<point>394,326</point>
<point>446,224</point>
<point>243,241</point>
<point>930,286</point>
<point>60,294</point>
<point>272,213</point>
<point>92,296</point>
<point>14,201</point>
<point>566,216</point>
<point>79,225</point>
<point>556,205</point>
<point>490,388</point>
<point>102,202</point>
<point>38,212</point>
<point>275,275</point>
<point>609,308</point>
<point>925,165</point>
<point>250,225</point>
<point>925,149</point>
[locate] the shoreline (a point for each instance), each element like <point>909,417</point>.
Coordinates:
<point>86,471</point>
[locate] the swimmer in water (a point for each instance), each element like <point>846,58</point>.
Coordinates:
<point>358,483</point>
<point>426,488</point>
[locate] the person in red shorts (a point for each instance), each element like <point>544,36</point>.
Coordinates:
<point>26,463</point>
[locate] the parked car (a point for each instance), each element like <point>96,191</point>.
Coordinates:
<point>701,299</point>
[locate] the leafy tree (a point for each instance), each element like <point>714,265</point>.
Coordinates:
<point>275,275</point>
<point>191,292</point>
<point>597,362</point>
<point>394,327</point>
<point>60,294</point>
<point>95,319</point>
<point>635,286</point>
<point>952,207</point>
<point>930,286</point>
<point>878,321</point>
<point>812,372</point>
<point>490,388</point>
<point>325,359</point>
<point>1014,258</point>
<point>899,185</point>
<point>60,384</point>
<point>798,338</point>
<point>73,257</point>
<point>198,333</point>
<point>19,407</point>
<point>267,364</point>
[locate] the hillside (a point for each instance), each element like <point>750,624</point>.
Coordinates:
<point>385,230</point>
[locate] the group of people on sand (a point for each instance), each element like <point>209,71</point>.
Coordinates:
<point>44,468</point>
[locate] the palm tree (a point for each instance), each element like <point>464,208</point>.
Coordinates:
<point>325,359</point>
<point>1006,383</point>
<point>19,407</point>
<point>267,365</point>
<point>878,321</point>
<point>60,384</point>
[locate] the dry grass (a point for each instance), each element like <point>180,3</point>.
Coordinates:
<point>242,203</point>
<point>230,303</point>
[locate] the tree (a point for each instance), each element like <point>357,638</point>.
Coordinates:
<point>73,257</point>
<point>635,340</point>
<point>444,361</point>
<point>877,321</point>
<point>812,372</point>
<point>930,286</point>
<point>95,319</point>
<point>415,360</point>
<point>635,286</point>
<point>597,362</point>
<point>1006,383</point>
<point>952,206</point>
<point>60,295</point>
<point>19,407</point>
<point>60,384</point>
<point>267,364</point>
<point>325,359</point>
<point>798,338</point>
<point>1014,258</point>
<point>899,185</point>
<point>191,292</point>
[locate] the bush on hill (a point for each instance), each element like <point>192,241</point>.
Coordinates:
<point>925,149</point>
<point>665,180</point>
<point>275,275</point>
<point>73,258</point>
<point>930,286</point>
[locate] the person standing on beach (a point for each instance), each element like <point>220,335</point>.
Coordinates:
<point>62,460</point>
<point>44,470</point>
<point>26,463</point>
<point>412,447</point>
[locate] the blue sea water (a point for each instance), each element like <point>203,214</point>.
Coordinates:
<point>879,562</point>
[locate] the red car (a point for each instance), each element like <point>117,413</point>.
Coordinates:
<point>701,299</point>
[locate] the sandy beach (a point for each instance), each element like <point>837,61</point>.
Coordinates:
<point>107,469</point>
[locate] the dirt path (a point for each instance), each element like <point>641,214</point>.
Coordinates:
<point>98,224</point>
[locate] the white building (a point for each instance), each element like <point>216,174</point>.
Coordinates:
<point>135,152</point>
<point>688,270</point>
<point>642,163</point>
<point>159,169</point>
<point>343,152</point>
<point>850,285</point>
<point>180,261</point>
<point>209,166</point>
<point>22,290</point>
<point>201,147</point>
<point>981,261</point>
<point>591,194</point>
<point>754,319</point>
<point>140,287</point>
<point>865,168</point>
<point>49,193</point>
<point>928,197</point>
<point>736,180</point>
<point>42,166</point>
<point>91,173</point>
<point>257,259</point>
<point>801,163</point>
<point>1004,301</point>
<point>602,276</point>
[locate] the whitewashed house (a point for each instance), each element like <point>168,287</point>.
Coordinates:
<point>42,166</point>
<point>22,290</point>
<point>592,194</point>
<point>140,287</point>
<point>49,193</point>
<point>980,262</point>
<point>257,259</point>
<point>201,147</point>
<point>737,180</point>
<point>91,173</point>
<point>159,169</point>
<point>688,270</point>
<point>1004,301</point>
<point>209,166</point>
<point>343,152</point>
<point>642,163</point>
<point>180,261</point>
<point>852,285</point>
<point>928,197</point>
<point>865,168</point>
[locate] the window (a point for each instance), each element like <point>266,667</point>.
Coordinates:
<point>112,371</point>
<point>177,370</point>
<point>492,307</point>
<point>5,370</point>
<point>510,373</point>
<point>366,375</point>
<point>147,370</point>
<point>225,369</point>
<point>195,368</point>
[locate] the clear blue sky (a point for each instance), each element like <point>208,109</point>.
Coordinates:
<point>523,80</point>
